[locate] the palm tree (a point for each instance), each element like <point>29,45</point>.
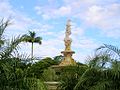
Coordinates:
<point>31,38</point>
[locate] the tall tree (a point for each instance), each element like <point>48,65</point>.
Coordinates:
<point>31,38</point>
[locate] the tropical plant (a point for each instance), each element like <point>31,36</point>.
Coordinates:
<point>13,76</point>
<point>38,68</point>
<point>103,72</point>
<point>31,38</point>
<point>49,75</point>
<point>11,47</point>
<point>58,58</point>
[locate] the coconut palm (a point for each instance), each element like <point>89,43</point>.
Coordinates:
<point>31,38</point>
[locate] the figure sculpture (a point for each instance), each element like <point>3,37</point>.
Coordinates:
<point>67,39</point>
<point>67,60</point>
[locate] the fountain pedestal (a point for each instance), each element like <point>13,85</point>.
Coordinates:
<point>67,60</point>
<point>52,85</point>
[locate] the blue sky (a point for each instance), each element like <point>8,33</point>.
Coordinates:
<point>94,22</point>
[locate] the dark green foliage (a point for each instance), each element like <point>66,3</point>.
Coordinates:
<point>38,68</point>
<point>13,76</point>
<point>32,38</point>
<point>58,58</point>
<point>94,79</point>
<point>49,75</point>
<point>70,76</point>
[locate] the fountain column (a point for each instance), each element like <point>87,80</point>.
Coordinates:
<point>68,60</point>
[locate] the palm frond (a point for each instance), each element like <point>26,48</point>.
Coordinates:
<point>38,40</point>
<point>11,46</point>
<point>111,50</point>
<point>3,26</point>
<point>88,79</point>
<point>101,85</point>
<point>99,61</point>
<point>32,34</point>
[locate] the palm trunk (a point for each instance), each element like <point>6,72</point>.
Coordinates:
<point>32,52</point>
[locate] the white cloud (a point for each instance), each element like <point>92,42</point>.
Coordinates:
<point>63,11</point>
<point>103,16</point>
<point>112,33</point>
<point>53,12</point>
<point>20,22</point>
<point>48,13</point>
<point>77,30</point>
<point>83,47</point>
<point>96,13</point>
<point>5,8</point>
<point>106,18</point>
<point>38,9</point>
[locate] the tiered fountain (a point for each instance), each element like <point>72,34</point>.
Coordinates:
<point>67,60</point>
